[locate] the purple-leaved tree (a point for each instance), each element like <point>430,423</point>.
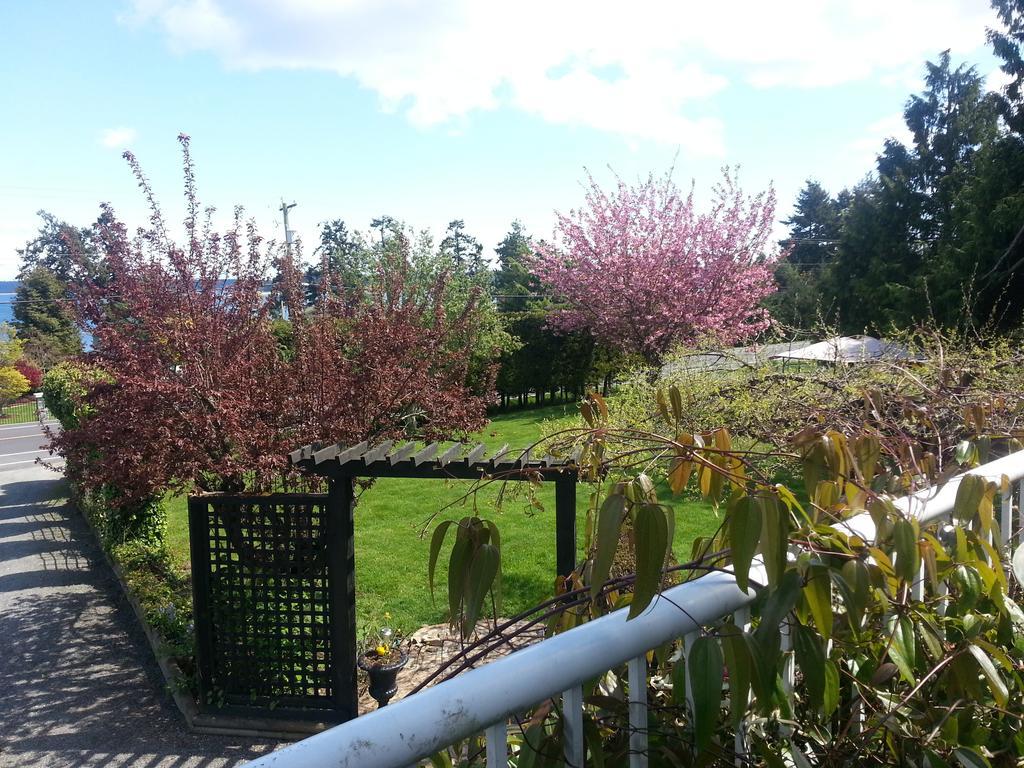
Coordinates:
<point>641,269</point>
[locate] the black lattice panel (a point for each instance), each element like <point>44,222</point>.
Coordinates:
<point>263,620</point>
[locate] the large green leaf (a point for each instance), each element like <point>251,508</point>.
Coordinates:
<point>739,664</point>
<point>779,602</point>
<point>764,644</point>
<point>435,548</point>
<point>1018,563</point>
<point>799,758</point>
<point>826,493</point>
<point>818,594</point>
<point>744,534</point>
<point>854,587</point>
<point>677,402</point>
<point>592,736</point>
<point>882,512</point>
<point>482,571</point>
<point>679,474</point>
<point>774,536</point>
<point>704,663</point>
<point>764,665</point>
<point>679,682</point>
<point>609,524</point>
<point>815,464</point>
<point>970,759</point>
<point>809,650</point>
<point>458,566</point>
<point>530,752</point>
<point>908,560</point>
<point>969,585</point>
<point>866,451</point>
<point>968,497</point>
<point>776,607</point>
<point>995,681</point>
<point>662,401</point>
<point>682,464</point>
<point>903,648</point>
<point>831,698</point>
<point>496,541</point>
<point>650,536</point>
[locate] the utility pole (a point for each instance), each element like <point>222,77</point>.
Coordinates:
<point>287,247</point>
<point>287,232</point>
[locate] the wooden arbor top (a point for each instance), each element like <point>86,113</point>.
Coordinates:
<point>340,464</point>
<point>436,460</point>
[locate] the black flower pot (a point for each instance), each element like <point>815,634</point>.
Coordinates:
<point>383,677</point>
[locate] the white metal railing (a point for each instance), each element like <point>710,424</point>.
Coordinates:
<point>482,700</point>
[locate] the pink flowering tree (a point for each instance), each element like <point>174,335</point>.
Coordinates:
<point>641,269</point>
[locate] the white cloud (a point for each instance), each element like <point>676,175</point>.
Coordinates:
<point>870,144</point>
<point>646,70</point>
<point>997,80</point>
<point>118,138</point>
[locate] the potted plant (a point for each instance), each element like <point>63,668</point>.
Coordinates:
<point>382,662</point>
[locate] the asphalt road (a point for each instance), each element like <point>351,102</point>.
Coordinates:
<point>22,444</point>
<point>79,687</point>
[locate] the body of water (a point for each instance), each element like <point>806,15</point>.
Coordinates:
<point>7,290</point>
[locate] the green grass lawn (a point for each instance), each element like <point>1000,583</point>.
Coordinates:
<point>391,555</point>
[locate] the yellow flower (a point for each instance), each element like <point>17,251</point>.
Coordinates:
<point>382,650</point>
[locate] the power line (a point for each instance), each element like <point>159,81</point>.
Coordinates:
<point>69,301</point>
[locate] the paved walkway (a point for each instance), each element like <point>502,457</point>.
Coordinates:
<point>78,684</point>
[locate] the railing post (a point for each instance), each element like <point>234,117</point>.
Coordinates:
<point>788,673</point>
<point>917,588</point>
<point>638,712</point>
<point>497,745</point>
<point>572,718</point>
<point>1006,519</point>
<point>741,619</point>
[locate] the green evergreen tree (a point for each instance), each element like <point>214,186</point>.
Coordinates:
<point>949,121</point>
<point>813,227</point>
<point>545,362</point>
<point>876,278</point>
<point>893,265</point>
<point>44,319</point>
<point>1008,44</point>
<point>345,253</point>
<point>464,249</point>
<point>984,262</point>
<point>810,249</point>
<point>513,283</point>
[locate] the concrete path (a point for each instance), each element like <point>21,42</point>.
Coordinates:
<point>78,684</point>
<point>22,444</point>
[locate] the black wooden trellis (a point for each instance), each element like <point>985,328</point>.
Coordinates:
<point>274,576</point>
<point>265,575</point>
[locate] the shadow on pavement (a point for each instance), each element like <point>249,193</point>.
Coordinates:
<point>78,685</point>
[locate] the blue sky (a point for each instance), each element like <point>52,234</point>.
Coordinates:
<point>431,111</point>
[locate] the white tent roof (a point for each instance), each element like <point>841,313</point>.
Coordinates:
<point>732,358</point>
<point>848,349</point>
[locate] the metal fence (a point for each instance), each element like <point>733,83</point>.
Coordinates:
<point>483,699</point>
<point>20,412</point>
